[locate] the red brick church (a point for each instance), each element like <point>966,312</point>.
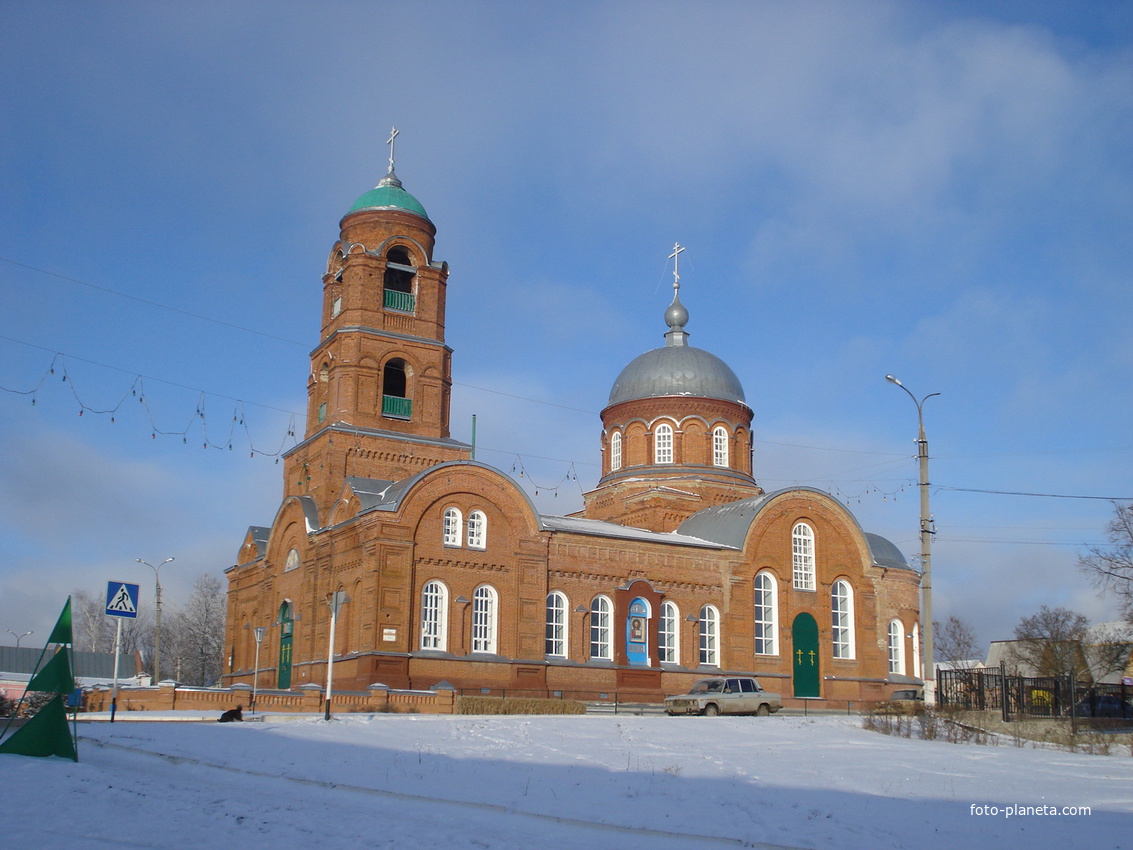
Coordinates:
<point>678,566</point>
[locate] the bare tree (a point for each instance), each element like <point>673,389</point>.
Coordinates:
<point>1111,566</point>
<point>91,628</point>
<point>1050,642</point>
<point>956,643</point>
<point>196,634</point>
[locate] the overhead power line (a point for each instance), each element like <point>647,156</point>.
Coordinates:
<point>1039,495</point>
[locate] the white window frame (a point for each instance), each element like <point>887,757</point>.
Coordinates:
<point>709,636</point>
<point>766,611</point>
<point>453,527</point>
<point>842,620</point>
<point>485,605</point>
<point>663,443</point>
<point>669,634</point>
<point>477,530</point>
<point>916,649</point>
<point>720,441</point>
<point>896,647</point>
<point>615,451</point>
<point>434,616</point>
<point>601,629</point>
<point>802,556</point>
<point>556,642</point>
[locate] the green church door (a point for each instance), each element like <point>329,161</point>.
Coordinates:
<point>286,627</point>
<point>804,639</point>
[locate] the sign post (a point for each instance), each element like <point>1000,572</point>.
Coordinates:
<point>121,602</point>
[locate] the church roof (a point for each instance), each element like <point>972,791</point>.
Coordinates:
<point>677,369</point>
<point>728,525</point>
<point>389,195</point>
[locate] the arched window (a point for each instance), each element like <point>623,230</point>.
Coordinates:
<point>766,614</point>
<point>398,281</point>
<point>434,616</point>
<point>615,451</point>
<point>453,526</point>
<point>896,647</point>
<point>484,602</point>
<point>557,607</point>
<point>396,403</point>
<point>600,615</point>
<point>720,446</point>
<point>842,619</point>
<point>802,551</point>
<point>709,636</point>
<point>916,649</point>
<point>663,443</point>
<point>668,634</point>
<point>477,530</point>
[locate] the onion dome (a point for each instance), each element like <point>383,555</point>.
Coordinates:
<point>677,369</point>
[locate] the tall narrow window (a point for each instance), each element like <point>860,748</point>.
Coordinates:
<point>663,443</point>
<point>802,549</point>
<point>484,602</point>
<point>615,451</point>
<point>398,281</point>
<point>720,446</point>
<point>916,671</point>
<point>709,636</point>
<point>600,614</point>
<point>896,647</point>
<point>766,614</point>
<point>557,607</point>
<point>842,619</point>
<point>453,523</point>
<point>477,530</point>
<point>668,634</point>
<point>434,605</point>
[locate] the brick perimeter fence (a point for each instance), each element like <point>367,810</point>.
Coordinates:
<point>168,697</point>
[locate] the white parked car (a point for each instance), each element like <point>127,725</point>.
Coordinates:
<point>725,695</point>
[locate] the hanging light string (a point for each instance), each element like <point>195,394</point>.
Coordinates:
<point>518,469</point>
<point>136,390</point>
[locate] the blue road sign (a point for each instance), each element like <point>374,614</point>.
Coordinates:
<point>121,599</point>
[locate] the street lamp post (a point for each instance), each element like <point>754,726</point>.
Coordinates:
<point>157,626</point>
<point>928,661</point>
<point>335,601</point>
<point>258,631</point>
<point>18,637</point>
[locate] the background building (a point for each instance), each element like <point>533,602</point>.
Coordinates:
<point>678,565</point>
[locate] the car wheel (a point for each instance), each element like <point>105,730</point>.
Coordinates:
<point>711,710</point>
<point>763,710</point>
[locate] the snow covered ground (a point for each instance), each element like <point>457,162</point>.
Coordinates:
<point>416,781</point>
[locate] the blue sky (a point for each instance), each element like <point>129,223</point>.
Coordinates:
<point>943,192</point>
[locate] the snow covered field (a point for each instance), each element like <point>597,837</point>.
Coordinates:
<point>418,781</point>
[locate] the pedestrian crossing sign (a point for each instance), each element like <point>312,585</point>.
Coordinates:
<point>121,599</point>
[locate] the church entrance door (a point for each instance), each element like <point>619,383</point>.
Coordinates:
<point>804,639</point>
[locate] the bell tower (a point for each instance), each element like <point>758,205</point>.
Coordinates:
<point>379,388</point>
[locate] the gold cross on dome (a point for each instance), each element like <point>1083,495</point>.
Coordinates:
<point>676,258</point>
<point>393,134</point>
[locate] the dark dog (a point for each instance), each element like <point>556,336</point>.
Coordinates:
<point>232,714</point>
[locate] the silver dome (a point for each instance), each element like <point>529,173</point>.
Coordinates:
<point>677,370</point>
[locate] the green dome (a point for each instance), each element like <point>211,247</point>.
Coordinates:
<point>387,195</point>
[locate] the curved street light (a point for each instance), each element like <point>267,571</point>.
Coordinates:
<point>157,627</point>
<point>18,637</point>
<point>928,661</point>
